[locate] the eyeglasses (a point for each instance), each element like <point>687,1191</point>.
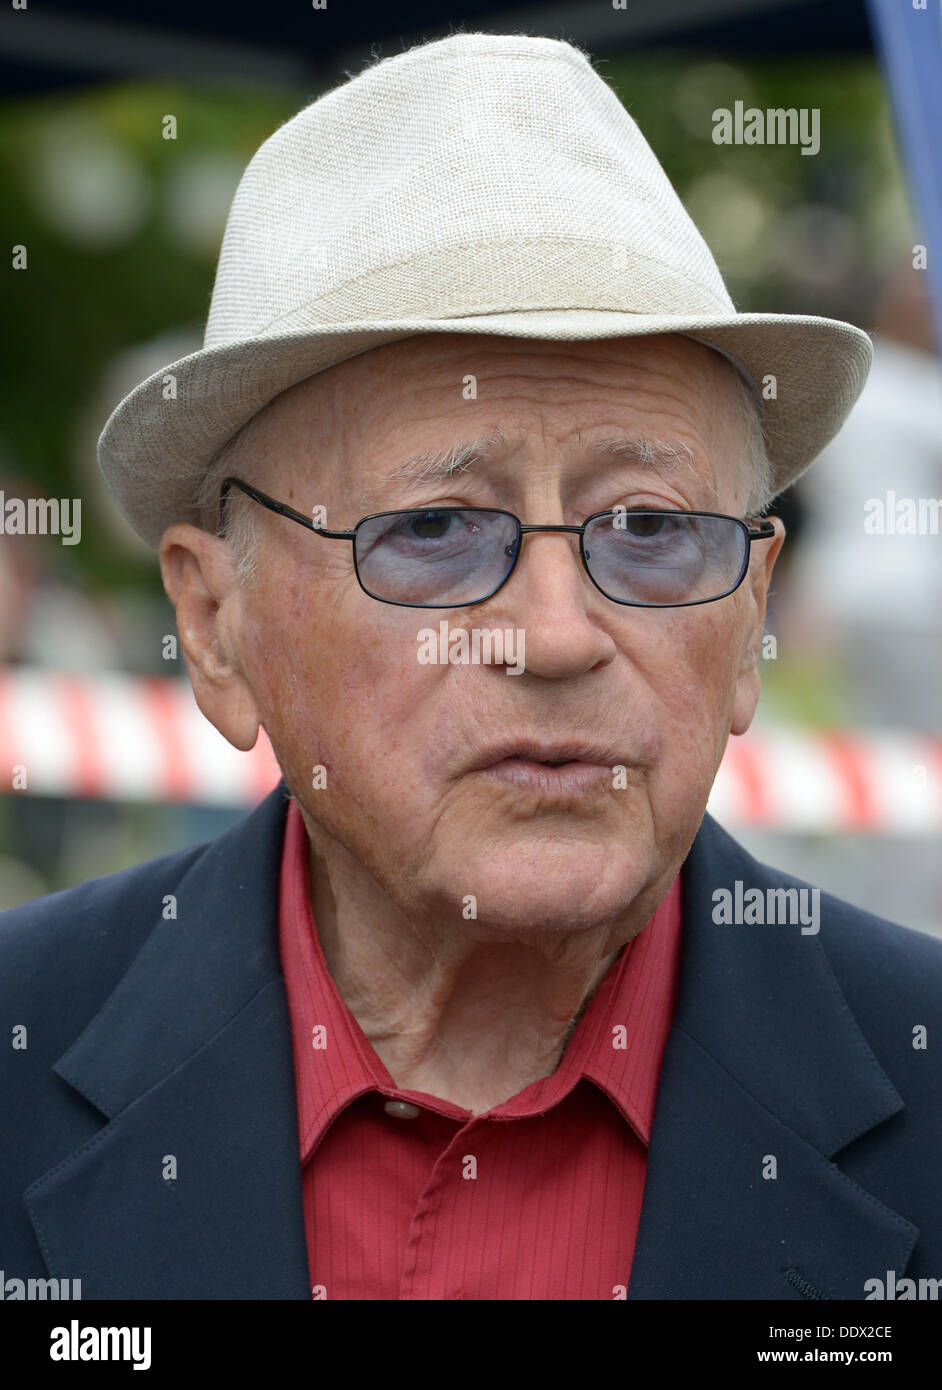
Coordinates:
<point>444,557</point>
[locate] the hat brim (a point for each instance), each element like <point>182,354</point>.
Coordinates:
<point>157,444</point>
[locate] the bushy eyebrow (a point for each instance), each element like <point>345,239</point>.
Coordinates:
<point>413,472</point>
<point>658,454</point>
<point>458,459</point>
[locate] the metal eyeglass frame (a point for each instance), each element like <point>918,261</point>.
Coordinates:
<point>763,531</point>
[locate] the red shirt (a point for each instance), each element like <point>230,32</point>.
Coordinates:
<point>539,1198</point>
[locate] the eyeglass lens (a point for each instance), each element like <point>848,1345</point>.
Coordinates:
<point>439,557</point>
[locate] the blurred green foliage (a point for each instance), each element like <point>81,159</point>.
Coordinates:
<point>79,303</point>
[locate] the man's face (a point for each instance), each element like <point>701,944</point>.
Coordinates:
<point>334,675</point>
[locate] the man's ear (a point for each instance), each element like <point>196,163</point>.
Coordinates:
<point>200,579</point>
<point>756,584</point>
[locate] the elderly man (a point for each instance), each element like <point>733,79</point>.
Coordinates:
<point>458,1012</point>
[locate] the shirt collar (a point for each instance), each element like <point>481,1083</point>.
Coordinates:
<point>617,1044</point>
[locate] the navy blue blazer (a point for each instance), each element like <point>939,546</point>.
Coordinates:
<point>149,1035</point>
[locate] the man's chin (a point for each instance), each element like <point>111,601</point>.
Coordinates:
<point>563,887</point>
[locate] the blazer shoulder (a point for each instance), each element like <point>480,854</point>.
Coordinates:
<point>873,957</point>
<point>63,954</point>
<point>888,972</point>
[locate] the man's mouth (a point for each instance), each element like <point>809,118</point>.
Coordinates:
<point>545,753</point>
<point>550,768</point>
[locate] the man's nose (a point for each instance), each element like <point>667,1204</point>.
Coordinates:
<point>551,599</point>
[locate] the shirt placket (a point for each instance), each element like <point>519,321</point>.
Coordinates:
<point>436,1250</point>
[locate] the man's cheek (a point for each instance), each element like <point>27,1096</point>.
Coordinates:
<point>385,677</point>
<point>370,715</point>
<point>707,650</point>
<point>688,696</point>
<point>696,710</point>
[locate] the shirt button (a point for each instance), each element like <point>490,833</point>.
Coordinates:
<point>401,1109</point>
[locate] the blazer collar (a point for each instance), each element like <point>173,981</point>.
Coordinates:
<point>196,970</point>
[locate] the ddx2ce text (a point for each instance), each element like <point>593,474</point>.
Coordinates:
<point>799,1333</point>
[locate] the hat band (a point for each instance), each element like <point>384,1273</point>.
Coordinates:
<point>495,277</point>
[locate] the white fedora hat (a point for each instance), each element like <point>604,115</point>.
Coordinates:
<point>483,183</point>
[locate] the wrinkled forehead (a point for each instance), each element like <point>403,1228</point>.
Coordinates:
<point>372,429</point>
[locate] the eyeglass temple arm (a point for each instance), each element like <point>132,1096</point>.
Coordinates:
<point>280,507</point>
<point>764,532</point>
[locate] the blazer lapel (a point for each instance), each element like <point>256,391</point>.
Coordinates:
<point>192,1189</point>
<point>765,1071</point>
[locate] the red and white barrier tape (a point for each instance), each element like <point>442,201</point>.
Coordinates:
<point>121,738</point>
<point>834,781</point>
<point>128,738</point>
